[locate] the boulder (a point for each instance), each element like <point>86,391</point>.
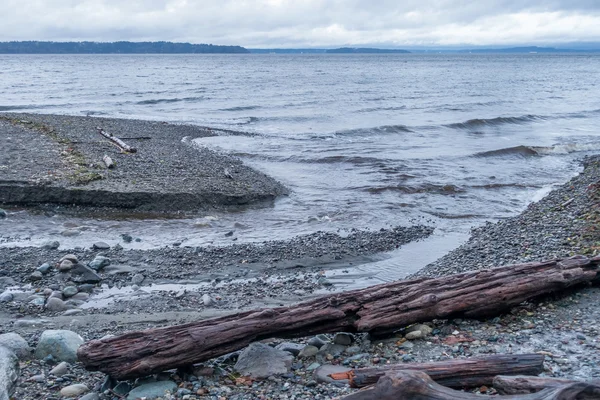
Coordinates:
<point>62,345</point>
<point>16,344</point>
<point>9,372</point>
<point>261,361</point>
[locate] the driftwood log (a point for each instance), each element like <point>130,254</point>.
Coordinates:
<point>124,146</point>
<point>531,384</point>
<point>379,309</point>
<point>417,385</point>
<point>456,373</point>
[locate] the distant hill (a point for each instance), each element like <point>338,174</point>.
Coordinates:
<point>35,47</point>
<point>287,51</point>
<point>363,50</point>
<point>526,49</point>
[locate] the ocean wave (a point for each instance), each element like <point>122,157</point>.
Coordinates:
<point>21,107</point>
<point>377,130</point>
<point>240,108</point>
<point>448,189</point>
<point>372,109</point>
<point>170,100</point>
<point>481,122</point>
<point>536,151</point>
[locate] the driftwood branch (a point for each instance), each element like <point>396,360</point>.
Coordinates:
<point>379,309</point>
<point>456,373</point>
<point>124,146</point>
<point>417,385</point>
<point>532,384</point>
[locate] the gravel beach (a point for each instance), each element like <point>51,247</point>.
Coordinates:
<point>59,160</point>
<point>116,294</point>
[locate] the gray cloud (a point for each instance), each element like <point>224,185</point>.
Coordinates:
<point>278,23</point>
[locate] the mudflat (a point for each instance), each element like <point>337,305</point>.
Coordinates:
<point>59,160</point>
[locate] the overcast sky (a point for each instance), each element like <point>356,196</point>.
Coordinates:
<point>306,23</point>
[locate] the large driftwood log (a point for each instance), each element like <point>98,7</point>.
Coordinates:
<point>532,384</point>
<point>117,141</point>
<point>417,385</point>
<point>379,309</point>
<point>456,373</point>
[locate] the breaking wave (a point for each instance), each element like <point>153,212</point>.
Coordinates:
<point>170,100</point>
<point>533,151</point>
<point>482,122</point>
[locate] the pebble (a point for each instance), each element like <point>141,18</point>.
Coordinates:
<point>344,339</point>
<point>69,291</point>
<point>414,335</point>
<point>308,351</point>
<point>137,279</point>
<point>318,341</point>
<point>61,369</point>
<point>36,276</point>
<point>65,266</point>
<point>70,257</point>
<point>101,246</point>
<point>262,361</point>
<point>99,262</point>
<point>51,245</point>
<point>3,213</point>
<point>74,390</point>
<point>44,268</point>
<point>56,304</point>
<point>152,390</point>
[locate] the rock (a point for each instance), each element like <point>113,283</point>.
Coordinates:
<point>101,246</point>
<point>36,276</point>
<point>74,311</point>
<point>37,301</point>
<point>3,214</point>
<point>99,262</point>
<point>51,245</point>
<point>44,268</point>
<point>290,347</point>
<point>56,304</point>
<point>70,257</point>
<point>90,396</point>
<point>414,335</point>
<point>70,232</point>
<point>61,369</point>
<point>15,343</point>
<point>127,238</point>
<point>69,291</point>
<point>308,351</point>
<point>119,269</point>
<point>60,344</point>
<point>322,373</point>
<point>86,288</point>
<point>207,300</point>
<point>6,281</point>
<point>344,339</point>
<point>152,390</point>
<point>318,341</point>
<point>6,297</point>
<point>9,372</point>
<point>84,274</point>
<point>332,349</point>
<point>65,266</point>
<point>74,390</point>
<point>137,279</point>
<point>261,361</point>
<point>122,388</point>
<point>425,329</point>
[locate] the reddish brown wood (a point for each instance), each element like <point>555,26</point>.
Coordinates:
<point>532,384</point>
<point>458,373</point>
<point>117,141</point>
<point>417,385</point>
<point>378,309</point>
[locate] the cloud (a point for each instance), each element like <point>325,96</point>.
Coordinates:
<point>279,23</point>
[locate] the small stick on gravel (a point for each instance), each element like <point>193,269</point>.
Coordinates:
<point>124,146</point>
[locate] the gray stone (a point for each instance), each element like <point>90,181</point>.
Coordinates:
<point>6,281</point>
<point>152,390</point>
<point>61,369</point>
<point>137,279</point>
<point>74,390</point>
<point>69,291</point>
<point>290,347</point>
<point>122,388</point>
<point>308,351</point>
<point>322,373</point>
<point>37,301</point>
<point>56,304</point>
<point>6,297</point>
<point>81,296</point>
<point>9,372</point>
<point>425,329</point>
<point>44,268</point>
<point>318,341</point>
<point>344,339</point>
<point>84,274</point>
<point>36,276</point>
<point>3,214</point>
<point>90,396</point>
<point>414,335</point>
<point>70,232</point>
<point>15,343</point>
<point>332,349</point>
<point>51,245</point>
<point>75,311</point>
<point>99,262</point>
<point>70,257</point>
<point>119,269</point>
<point>60,344</point>
<point>101,246</point>
<point>261,361</point>
<point>65,266</point>
<point>207,300</point>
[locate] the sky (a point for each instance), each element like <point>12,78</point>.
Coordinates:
<point>306,23</point>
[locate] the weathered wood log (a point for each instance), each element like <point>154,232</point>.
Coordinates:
<point>532,384</point>
<point>456,373</point>
<point>124,146</point>
<point>417,385</point>
<point>379,309</point>
<point>108,162</point>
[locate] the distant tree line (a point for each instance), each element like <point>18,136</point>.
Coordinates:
<point>36,47</point>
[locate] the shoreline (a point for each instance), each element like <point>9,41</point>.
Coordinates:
<point>561,326</point>
<point>168,173</point>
